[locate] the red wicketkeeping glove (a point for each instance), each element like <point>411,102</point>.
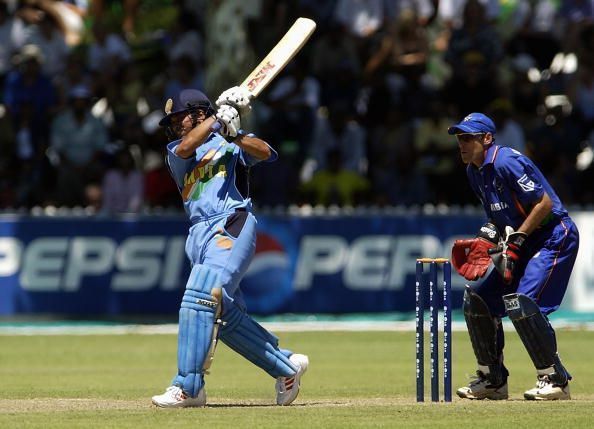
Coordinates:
<point>470,257</point>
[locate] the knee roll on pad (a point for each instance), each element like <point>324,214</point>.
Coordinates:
<point>483,329</point>
<point>538,336</point>
<point>245,336</point>
<point>200,307</point>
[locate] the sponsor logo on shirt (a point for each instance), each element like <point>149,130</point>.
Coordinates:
<point>526,183</point>
<point>495,207</point>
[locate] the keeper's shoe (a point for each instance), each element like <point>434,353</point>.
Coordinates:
<point>545,390</point>
<point>174,397</point>
<point>287,388</point>
<point>480,388</point>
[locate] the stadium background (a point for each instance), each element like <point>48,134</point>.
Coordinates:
<point>91,225</point>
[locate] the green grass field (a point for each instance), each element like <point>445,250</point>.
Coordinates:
<point>356,379</point>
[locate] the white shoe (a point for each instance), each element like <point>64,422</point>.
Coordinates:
<point>545,390</point>
<point>287,388</point>
<point>480,388</point>
<point>174,397</point>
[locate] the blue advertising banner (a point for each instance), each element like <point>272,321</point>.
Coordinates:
<point>346,264</point>
<point>315,264</point>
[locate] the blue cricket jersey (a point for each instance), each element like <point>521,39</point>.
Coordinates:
<point>210,183</point>
<point>509,185</point>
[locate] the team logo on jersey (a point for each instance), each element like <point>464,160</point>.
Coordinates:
<point>526,183</point>
<point>212,164</point>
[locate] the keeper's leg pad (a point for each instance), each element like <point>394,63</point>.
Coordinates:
<point>198,324</point>
<point>538,336</point>
<point>484,330</point>
<point>245,336</point>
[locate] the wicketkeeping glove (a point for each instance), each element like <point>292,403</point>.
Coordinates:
<point>237,97</point>
<point>229,119</point>
<point>470,257</point>
<point>507,254</point>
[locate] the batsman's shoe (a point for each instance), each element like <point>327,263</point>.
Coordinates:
<point>287,388</point>
<point>480,388</point>
<point>174,397</point>
<point>545,390</point>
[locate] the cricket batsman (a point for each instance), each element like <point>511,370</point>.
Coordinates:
<point>533,244</point>
<point>211,170</point>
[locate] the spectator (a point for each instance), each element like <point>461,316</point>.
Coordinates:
<point>424,10</point>
<point>123,185</point>
<point>13,37</point>
<point>332,48</point>
<point>184,40</point>
<point>362,19</point>
<point>182,74</point>
<point>573,16</point>
<point>78,139</point>
<point>31,144</point>
<point>395,173</point>
<point>341,132</point>
<point>453,16</point>
<point>294,100</point>
<point>26,84</point>
<point>533,27</point>
<point>404,49</point>
<point>67,14</point>
<point>107,52</point>
<point>580,91</point>
<point>124,93</point>
<point>399,181</point>
<point>509,131</point>
<point>474,52</point>
<point>336,185</point>
<point>159,188</point>
<point>436,155</point>
<point>52,44</point>
<point>75,74</point>
<point>98,11</point>
<point>227,48</point>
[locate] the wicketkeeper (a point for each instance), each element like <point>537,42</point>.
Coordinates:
<point>533,244</point>
<point>211,170</point>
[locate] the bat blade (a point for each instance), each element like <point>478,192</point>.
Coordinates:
<point>290,44</point>
<point>276,60</point>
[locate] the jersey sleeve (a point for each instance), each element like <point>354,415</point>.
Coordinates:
<point>249,160</point>
<point>520,175</point>
<point>178,166</point>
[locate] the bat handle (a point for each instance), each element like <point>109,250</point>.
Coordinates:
<point>215,127</point>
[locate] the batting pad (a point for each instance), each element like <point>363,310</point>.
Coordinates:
<point>538,336</point>
<point>197,329</point>
<point>244,335</point>
<point>485,335</point>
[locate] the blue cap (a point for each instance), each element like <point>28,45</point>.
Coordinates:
<point>186,100</point>
<point>474,123</point>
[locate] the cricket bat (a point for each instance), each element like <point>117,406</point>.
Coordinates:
<point>290,44</point>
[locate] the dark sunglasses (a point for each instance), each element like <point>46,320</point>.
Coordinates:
<point>466,137</point>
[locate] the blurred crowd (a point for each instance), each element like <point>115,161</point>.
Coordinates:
<point>359,117</point>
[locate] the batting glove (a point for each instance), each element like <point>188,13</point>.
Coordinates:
<point>229,119</point>
<point>237,97</point>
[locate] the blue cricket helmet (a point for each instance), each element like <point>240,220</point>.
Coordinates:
<point>188,100</point>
